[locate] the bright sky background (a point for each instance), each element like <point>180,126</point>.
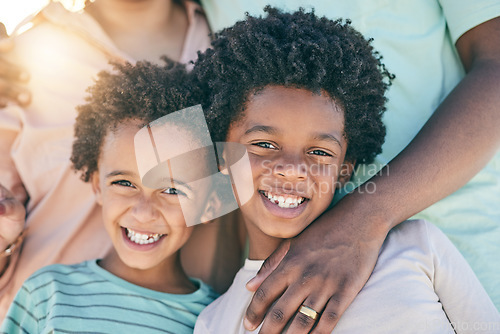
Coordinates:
<point>14,11</point>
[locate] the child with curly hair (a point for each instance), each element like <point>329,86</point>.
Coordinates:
<point>305,96</point>
<point>140,285</point>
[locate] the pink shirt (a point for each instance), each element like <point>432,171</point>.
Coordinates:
<point>63,52</point>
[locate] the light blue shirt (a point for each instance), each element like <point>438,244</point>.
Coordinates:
<point>86,298</point>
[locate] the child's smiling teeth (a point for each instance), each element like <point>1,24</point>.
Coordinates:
<point>142,239</point>
<point>284,201</point>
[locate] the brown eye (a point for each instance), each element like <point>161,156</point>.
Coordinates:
<point>264,144</point>
<point>320,153</point>
<point>123,183</point>
<point>173,191</point>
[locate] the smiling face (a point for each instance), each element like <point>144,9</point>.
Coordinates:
<point>146,226</point>
<point>296,145</point>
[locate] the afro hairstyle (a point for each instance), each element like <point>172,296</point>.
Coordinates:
<point>142,92</point>
<point>299,50</point>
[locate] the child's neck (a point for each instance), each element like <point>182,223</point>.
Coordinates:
<point>163,25</point>
<point>168,277</point>
<point>261,245</point>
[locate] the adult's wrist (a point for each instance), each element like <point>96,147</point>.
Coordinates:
<point>361,210</point>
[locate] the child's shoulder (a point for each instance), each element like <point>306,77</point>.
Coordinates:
<point>418,238</point>
<point>415,231</point>
<point>58,273</point>
<point>206,294</point>
<point>225,314</point>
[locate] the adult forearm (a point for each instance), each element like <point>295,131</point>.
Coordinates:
<point>454,145</point>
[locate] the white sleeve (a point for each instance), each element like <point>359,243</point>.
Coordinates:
<point>463,15</point>
<point>468,307</point>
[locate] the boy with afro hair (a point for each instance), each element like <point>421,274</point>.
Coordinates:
<point>140,285</point>
<point>305,96</point>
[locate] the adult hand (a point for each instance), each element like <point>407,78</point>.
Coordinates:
<point>12,218</point>
<point>11,75</point>
<point>323,268</point>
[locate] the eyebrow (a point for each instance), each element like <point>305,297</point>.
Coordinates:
<point>272,131</point>
<point>119,172</point>
<point>328,137</point>
<point>262,128</point>
<point>164,179</point>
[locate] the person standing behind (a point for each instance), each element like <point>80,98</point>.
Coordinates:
<point>63,52</point>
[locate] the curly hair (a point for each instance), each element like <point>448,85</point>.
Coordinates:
<point>299,50</point>
<point>143,92</point>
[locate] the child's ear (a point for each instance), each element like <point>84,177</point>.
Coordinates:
<point>96,187</point>
<point>212,208</point>
<point>346,172</point>
<point>222,163</point>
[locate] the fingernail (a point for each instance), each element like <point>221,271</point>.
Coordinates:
<point>24,76</point>
<point>249,286</point>
<point>2,209</point>
<point>248,325</point>
<point>23,98</point>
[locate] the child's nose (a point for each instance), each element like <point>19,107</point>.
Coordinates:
<point>291,167</point>
<point>144,210</point>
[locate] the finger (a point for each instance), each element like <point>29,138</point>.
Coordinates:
<point>5,43</point>
<point>304,322</point>
<point>269,266</point>
<point>10,71</point>
<point>9,205</point>
<point>12,209</point>
<point>271,289</point>
<point>3,31</point>
<point>10,91</point>
<point>5,193</point>
<point>330,316</point>
<point>283,310</point>
<point>12,220</point>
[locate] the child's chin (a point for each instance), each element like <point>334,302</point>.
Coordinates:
<point>284,233</point>
<point>138,264</point>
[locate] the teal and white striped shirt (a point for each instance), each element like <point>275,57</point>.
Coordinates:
<point>84,298</point>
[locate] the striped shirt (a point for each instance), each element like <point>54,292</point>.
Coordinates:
<point>85,298</point>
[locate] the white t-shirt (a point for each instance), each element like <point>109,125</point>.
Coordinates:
<point>419,282</point>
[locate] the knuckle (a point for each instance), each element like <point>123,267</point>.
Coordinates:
<point>330,316</point>
<point>304,321</point>
<point>267,265</point>
<point>277,316</point>
<point>260,295</point>
<point>251,315</point>
<point>309,273</point>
